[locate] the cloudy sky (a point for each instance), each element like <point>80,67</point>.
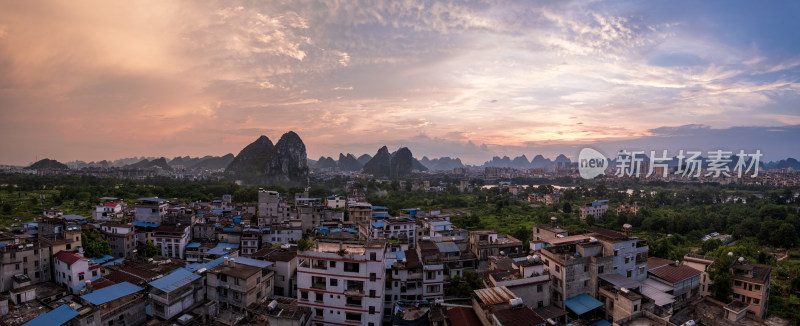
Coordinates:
<point>95,80</point>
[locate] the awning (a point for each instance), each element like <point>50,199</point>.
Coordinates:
<point>620,281</point>
<point>582,304</point>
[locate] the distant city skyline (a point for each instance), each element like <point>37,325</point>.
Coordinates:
<point>107,80</point>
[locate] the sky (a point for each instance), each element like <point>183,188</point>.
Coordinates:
<point>94,80</point>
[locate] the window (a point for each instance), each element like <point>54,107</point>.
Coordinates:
<point>371,310</point>
<point>319,297</point>
<point>303,295</point>
<point>600,269</point>
<point>333,264</point>
<point>373,256</point>
<point>371,293</point>
<point>756,300</point>
<point>334,282</point>
<point>627,259</point>
<point>558,269</point>
<point>540,304</point>
<point>223,277</point>
<point>539,288</point>
<point>351,267</point>
<point>319,312</point>
<point>80,277</point>
<point>372,277</point>
<point>629,273</point>
<point>236,281</point>
<point>641,270</point>
<point>352,316</point>
<point>616,253</point>
<point>318,282</point>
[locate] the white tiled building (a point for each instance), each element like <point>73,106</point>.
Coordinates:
<point>343,282</point>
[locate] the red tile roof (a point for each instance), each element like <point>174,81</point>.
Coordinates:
<point>111,204</point>
<point>519,317</point>
<point>101,283</point>
<point>655,262</point>
<point>463,316</point>
<point>68,257</point>
<point>674,274</point>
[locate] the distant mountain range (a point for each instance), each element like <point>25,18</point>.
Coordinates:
<point>286,161</point>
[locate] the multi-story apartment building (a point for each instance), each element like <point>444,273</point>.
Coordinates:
<point>454,253</point>
<point>31,259</point>
<point>250,241</point>
<point>620,303</point>
<point>343,282</point>
<point>404,280</point>
<point>118,304</point>
<point>150,209</point>
<point>73,271</point>
<point>281,233</point>
<point>574,269</point>
<point>172,239</point>
<point>751,286</point>
<point>268,202</point>
<point>335,201</point>
<point>526,278</point>
<point>176,292</point>
<point>631,208</point>
<point>121,238</point>
<point>396,228</point>
<point>596,208</point>
<point>488,243</point>
<point>630,253</point>
<point>358,212</point>
<point>284,264</point>
<point>240,282</point>
<point>704,264</point>
<point>684,282</point>
<point>112,209</point>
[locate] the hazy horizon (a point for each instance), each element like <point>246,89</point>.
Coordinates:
<point>107,80</point>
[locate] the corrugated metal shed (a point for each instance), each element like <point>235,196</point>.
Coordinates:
<point>448,246</point>
<point>57,316</point>
<point>174,280</point>
<point>111,293</point>
<point>495,295</point>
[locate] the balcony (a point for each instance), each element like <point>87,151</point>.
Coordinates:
<point>319,264</point>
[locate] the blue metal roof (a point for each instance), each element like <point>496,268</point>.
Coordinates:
<point>582,304</point>
<point>378,224</point>
<point>73,217</point>
<point>220,248</point>
<point>144,224</point>
<point>400,255</point>
<point>380,208</point>
<point>217,211</point>
<point>381,215</point>
<point>114,262</point>
<point>447,247</point>
<point>104,259</point>
<point>193,245</point>
<point>174,280</point>
<point>209,265</point>
<point>227,228</point>
<point>57,316</point>
<point>155,199</point>
<point>111,293</point>
<point>252,262</point>
<point>307,199</point>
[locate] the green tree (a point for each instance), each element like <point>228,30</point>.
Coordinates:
<point>150,250</point>
<point>711,245</point>
<point>304,244</point>
<point>94,246</point>
<point>722,278</point>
